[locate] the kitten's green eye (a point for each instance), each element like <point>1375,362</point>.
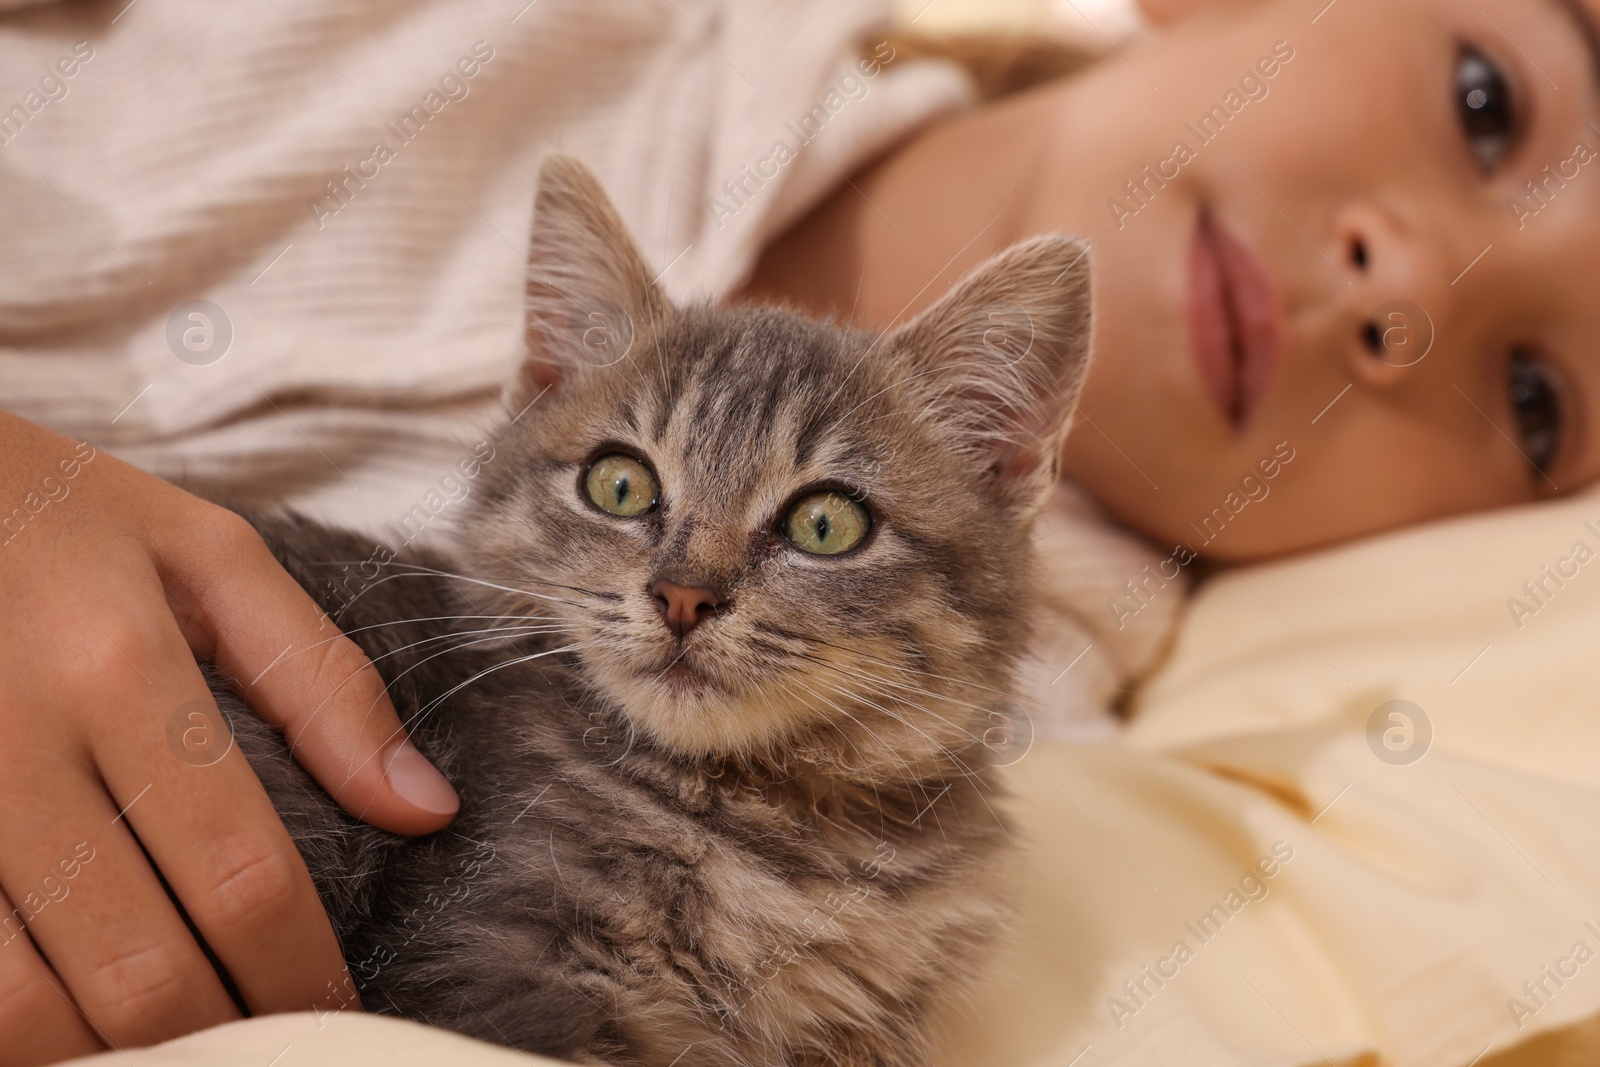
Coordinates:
<point>827,523</point>
<point>621,485</point>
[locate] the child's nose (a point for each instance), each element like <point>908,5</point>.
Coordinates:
<point>1397,288</point>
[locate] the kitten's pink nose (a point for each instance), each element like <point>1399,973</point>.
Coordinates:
<point>683,606</point>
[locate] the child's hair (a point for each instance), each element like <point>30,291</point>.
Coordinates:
<point>999,63</point>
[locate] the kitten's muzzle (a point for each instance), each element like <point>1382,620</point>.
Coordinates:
<point>684,606</point>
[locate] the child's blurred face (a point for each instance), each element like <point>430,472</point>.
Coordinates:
<point>1348,259</point>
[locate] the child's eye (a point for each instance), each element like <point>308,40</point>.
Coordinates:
<point>1485,107</point>
<point>1536,405</point>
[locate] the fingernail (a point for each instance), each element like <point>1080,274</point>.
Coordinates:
<point>419,782</point>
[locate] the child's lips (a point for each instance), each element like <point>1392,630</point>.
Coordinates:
<point>1235,333</point>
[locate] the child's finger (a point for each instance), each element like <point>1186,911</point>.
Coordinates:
<point>37,1017</point>
<point>205,821</point>
<point>112,937</point>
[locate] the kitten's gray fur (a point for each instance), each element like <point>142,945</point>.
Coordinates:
<point>797,861</point>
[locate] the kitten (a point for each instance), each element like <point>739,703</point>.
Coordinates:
<point>737,600</point>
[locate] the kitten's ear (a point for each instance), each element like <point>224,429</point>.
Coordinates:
<point>1000,359</point>
<point>589,289</point>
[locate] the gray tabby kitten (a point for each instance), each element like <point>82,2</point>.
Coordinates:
<point>737,599</point>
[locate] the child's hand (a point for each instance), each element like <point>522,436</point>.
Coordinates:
<point>112,582</point>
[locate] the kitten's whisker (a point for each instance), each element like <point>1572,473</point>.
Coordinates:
<point>812,657</point>
<point>788,691</point>
<point>877,682</point>
<point>916,690</point>
<point>497,631</point>
<point>433,573</point>
<point>837,728</point>
<point>970,775</point>
<point>416,718</point>
<point>403,622</point>
<point>921,788</point>
<point>903,774</point>
<point>436,655</point>
<point>1006,694</point>
<point>965,770</point>
<point>424,569</point>
<point>681,653</point>
<point>428,708</point>
<point>413,567</point>
<point>893,697</point>
<point>977,739</point>
<point>846,712</point>
<point>929,693</point>
<point>961,765</point>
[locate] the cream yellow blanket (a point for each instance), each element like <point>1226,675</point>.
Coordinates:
<point>1356,816</point>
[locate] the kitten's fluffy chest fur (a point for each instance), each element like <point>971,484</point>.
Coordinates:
<point>763,902</point>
